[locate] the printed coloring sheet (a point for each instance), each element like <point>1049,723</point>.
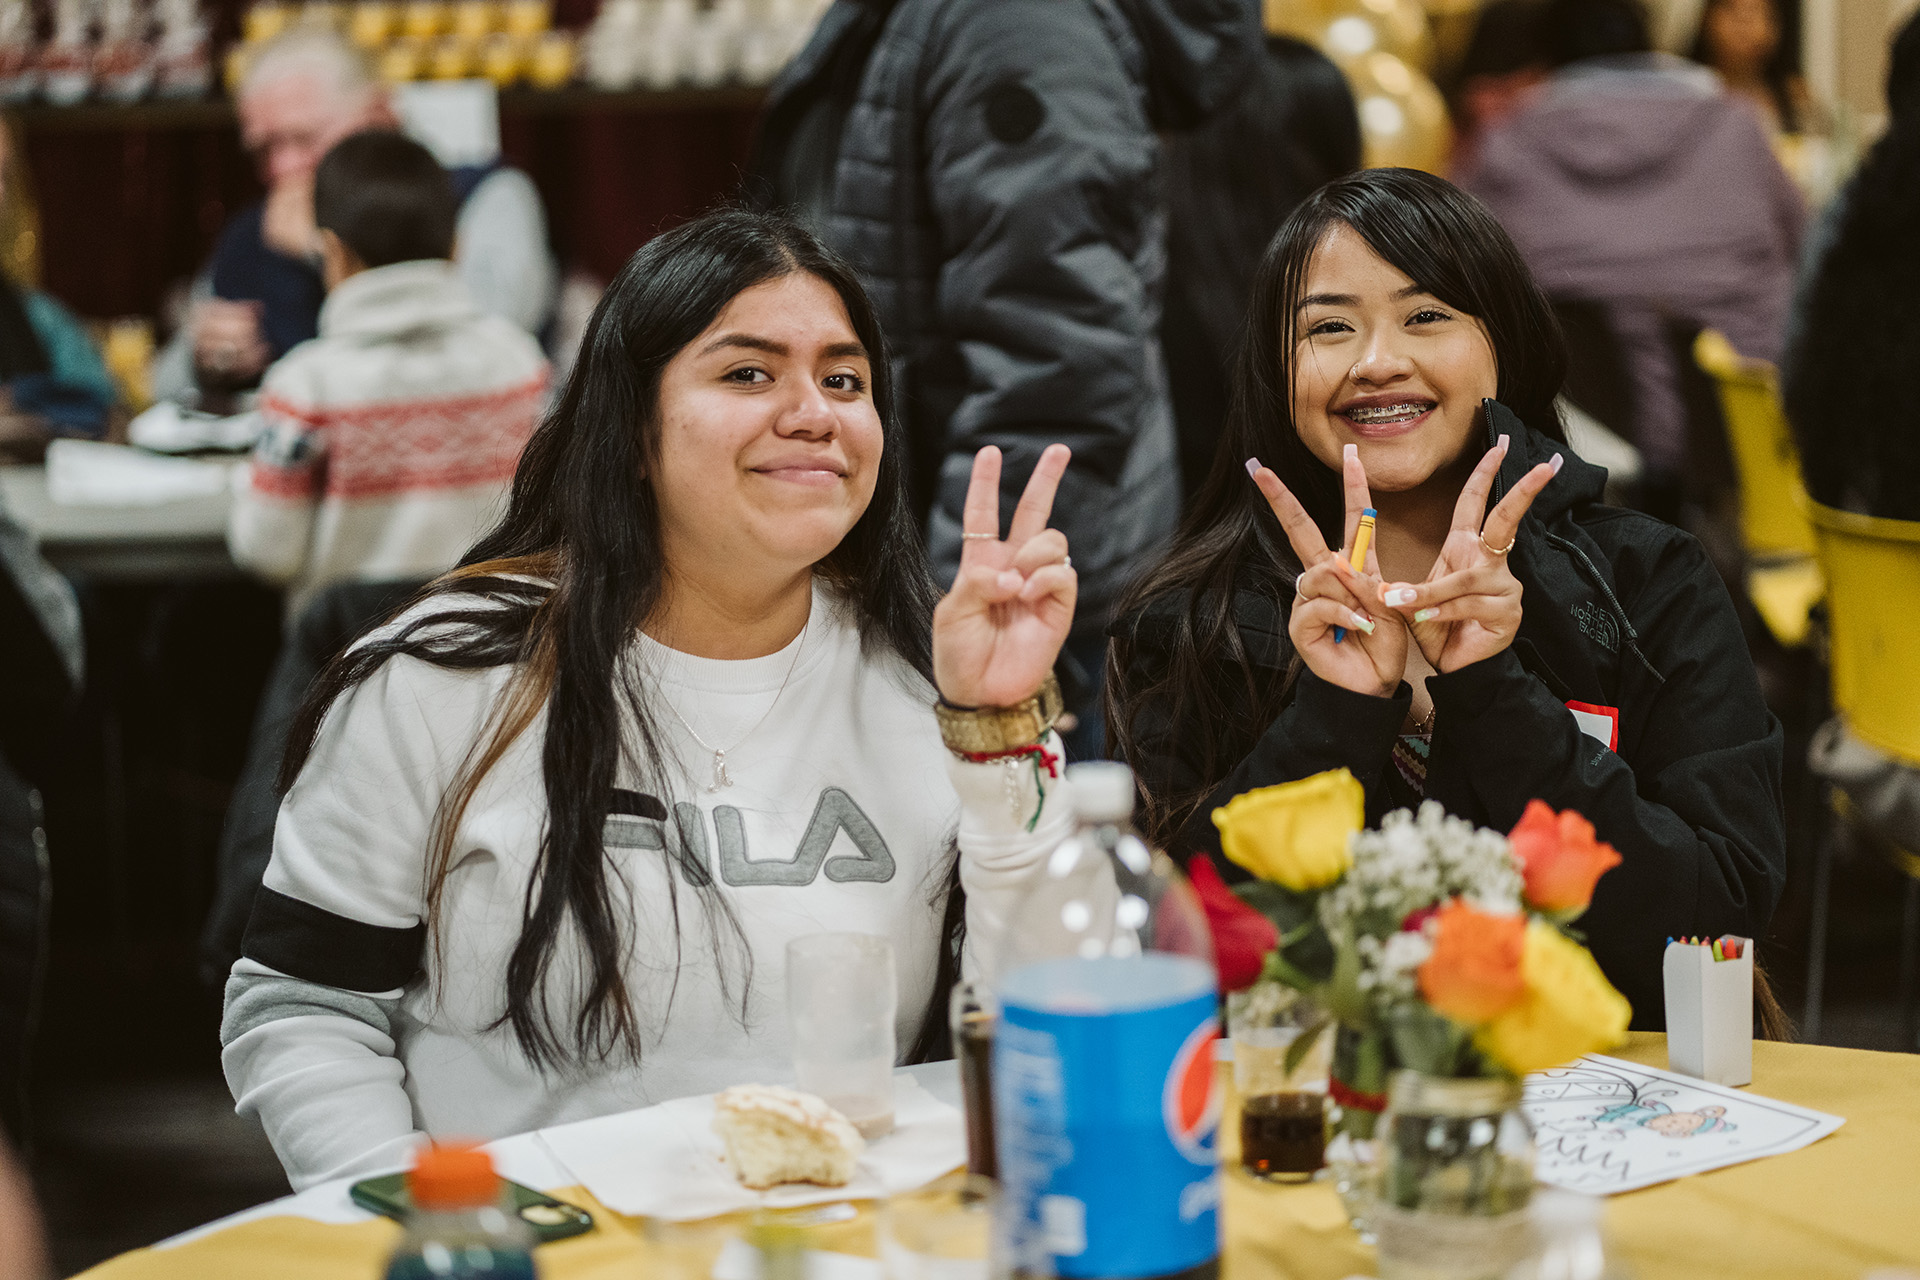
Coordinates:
<point>1603,1126</point>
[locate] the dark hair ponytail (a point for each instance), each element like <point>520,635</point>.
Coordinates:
<point>570,572</point>
<point>1448,244</point>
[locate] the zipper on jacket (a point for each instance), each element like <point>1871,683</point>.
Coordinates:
<point>1613,601</point>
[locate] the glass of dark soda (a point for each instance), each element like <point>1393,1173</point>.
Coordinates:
<point>1282,1051</point>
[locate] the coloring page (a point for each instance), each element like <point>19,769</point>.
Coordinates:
<point>1604,1126</point>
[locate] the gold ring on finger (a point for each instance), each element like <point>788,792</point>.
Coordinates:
<point>1497,551</point>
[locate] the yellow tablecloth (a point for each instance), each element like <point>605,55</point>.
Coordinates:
<point>1847,1204</point>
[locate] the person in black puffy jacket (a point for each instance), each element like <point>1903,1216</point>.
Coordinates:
<point>1509,638</point>
<point>989,167</point>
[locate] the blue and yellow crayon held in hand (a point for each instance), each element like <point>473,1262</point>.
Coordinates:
<point>1362,539</point>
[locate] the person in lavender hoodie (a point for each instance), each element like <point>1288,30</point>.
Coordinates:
<point>1635,182</point>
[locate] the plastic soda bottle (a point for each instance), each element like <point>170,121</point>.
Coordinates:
<point>1105,1096</point>
<point>460,1226</point>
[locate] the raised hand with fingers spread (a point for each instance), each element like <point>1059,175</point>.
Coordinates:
<point>1331,596</point>
<point>998,632</point>
<point>1469,606</point>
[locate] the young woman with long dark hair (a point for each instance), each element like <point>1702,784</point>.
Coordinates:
<point>1757,53</point>
<point>1508,636</point>
<point>548,832</point>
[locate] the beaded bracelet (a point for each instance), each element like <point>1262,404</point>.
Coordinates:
<point>1010,763</point>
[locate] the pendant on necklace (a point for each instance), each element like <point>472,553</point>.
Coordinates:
<point>720,778</point>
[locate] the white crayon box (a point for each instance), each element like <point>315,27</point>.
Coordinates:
<point>1710,1011</point>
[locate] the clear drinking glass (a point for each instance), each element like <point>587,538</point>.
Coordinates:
<point>943,1231</point>
<point>687,1250</point>
<point>841,999</point>
<point>1282,1108</point>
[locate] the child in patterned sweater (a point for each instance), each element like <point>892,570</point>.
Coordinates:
<point>391,438</point>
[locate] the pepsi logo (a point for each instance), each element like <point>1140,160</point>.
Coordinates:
<point>1191,1099</point>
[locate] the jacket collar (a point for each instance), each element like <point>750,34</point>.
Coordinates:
<point>1579,481</point>
<point>1566,575</point>
<point>385,302</point>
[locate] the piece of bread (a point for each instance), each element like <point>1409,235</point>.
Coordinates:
<point>777,1135</point>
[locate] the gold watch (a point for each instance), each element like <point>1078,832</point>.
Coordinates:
<point>989,730</point>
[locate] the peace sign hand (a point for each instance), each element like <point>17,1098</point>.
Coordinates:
<point>1469,606</point>
<point>1330,593</point>
<point>997,633</point>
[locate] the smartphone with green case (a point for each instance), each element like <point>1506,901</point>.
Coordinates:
<point>549,1219</point>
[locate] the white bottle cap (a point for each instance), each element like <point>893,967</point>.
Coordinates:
<point>1102,790</point>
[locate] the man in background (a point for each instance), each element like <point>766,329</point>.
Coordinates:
<point>261,292</point>
<point>1632,180</point>
<point>989,167</point>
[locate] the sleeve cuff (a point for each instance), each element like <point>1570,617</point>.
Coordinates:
<point>995,816</point>
<point>1471,689</point>
<point>1355,729</point>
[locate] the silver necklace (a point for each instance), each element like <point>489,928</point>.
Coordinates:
<point>720,776</point>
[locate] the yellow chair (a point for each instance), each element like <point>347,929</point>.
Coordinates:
<point>1872,571</point>
<point>1783,575</point>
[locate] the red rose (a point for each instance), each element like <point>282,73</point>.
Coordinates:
<point>1417,920</point>
<point>1241,936</point>
<point>1559,859</point>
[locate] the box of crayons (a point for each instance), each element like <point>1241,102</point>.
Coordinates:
<point>1710,1008</point>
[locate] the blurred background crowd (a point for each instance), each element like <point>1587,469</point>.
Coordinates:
<point>323,263</point>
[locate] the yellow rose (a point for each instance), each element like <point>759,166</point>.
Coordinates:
<point>1295,834</point>
<point>1569,1008</point>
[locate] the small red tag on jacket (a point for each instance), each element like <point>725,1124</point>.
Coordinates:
<point>1602,724</point>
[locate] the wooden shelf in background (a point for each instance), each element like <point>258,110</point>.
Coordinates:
<point>207,113</point>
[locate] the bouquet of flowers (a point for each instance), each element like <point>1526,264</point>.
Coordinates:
<point>1432,944</point>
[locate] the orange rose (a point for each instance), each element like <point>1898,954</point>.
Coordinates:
<point>1559,859</point>
<point>1474,971</point>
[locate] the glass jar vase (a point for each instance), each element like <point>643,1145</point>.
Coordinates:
<point>1454,1174</point>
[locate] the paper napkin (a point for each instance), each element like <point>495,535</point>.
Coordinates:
<point>667,1162</point>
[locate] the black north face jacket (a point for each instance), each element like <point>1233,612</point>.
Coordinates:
<point>990,168</point>
<point>1623,615</point>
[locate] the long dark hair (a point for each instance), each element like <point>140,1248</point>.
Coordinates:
<point>558,587</point>
<point>1230,544</point>
<point>1782,67</point>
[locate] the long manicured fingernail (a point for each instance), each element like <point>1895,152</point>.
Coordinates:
<point>1350,452</point>
<point>1503,444</point>
<point>1360,622</point>
<point>1557,461</point>
<point>1253,466</point>
<point>1399,596</point>
<point>1425,615</point>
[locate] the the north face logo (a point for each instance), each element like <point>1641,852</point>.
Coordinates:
<point>1598,625</point>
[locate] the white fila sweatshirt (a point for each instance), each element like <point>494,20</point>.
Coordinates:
<point>350,1036</point>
